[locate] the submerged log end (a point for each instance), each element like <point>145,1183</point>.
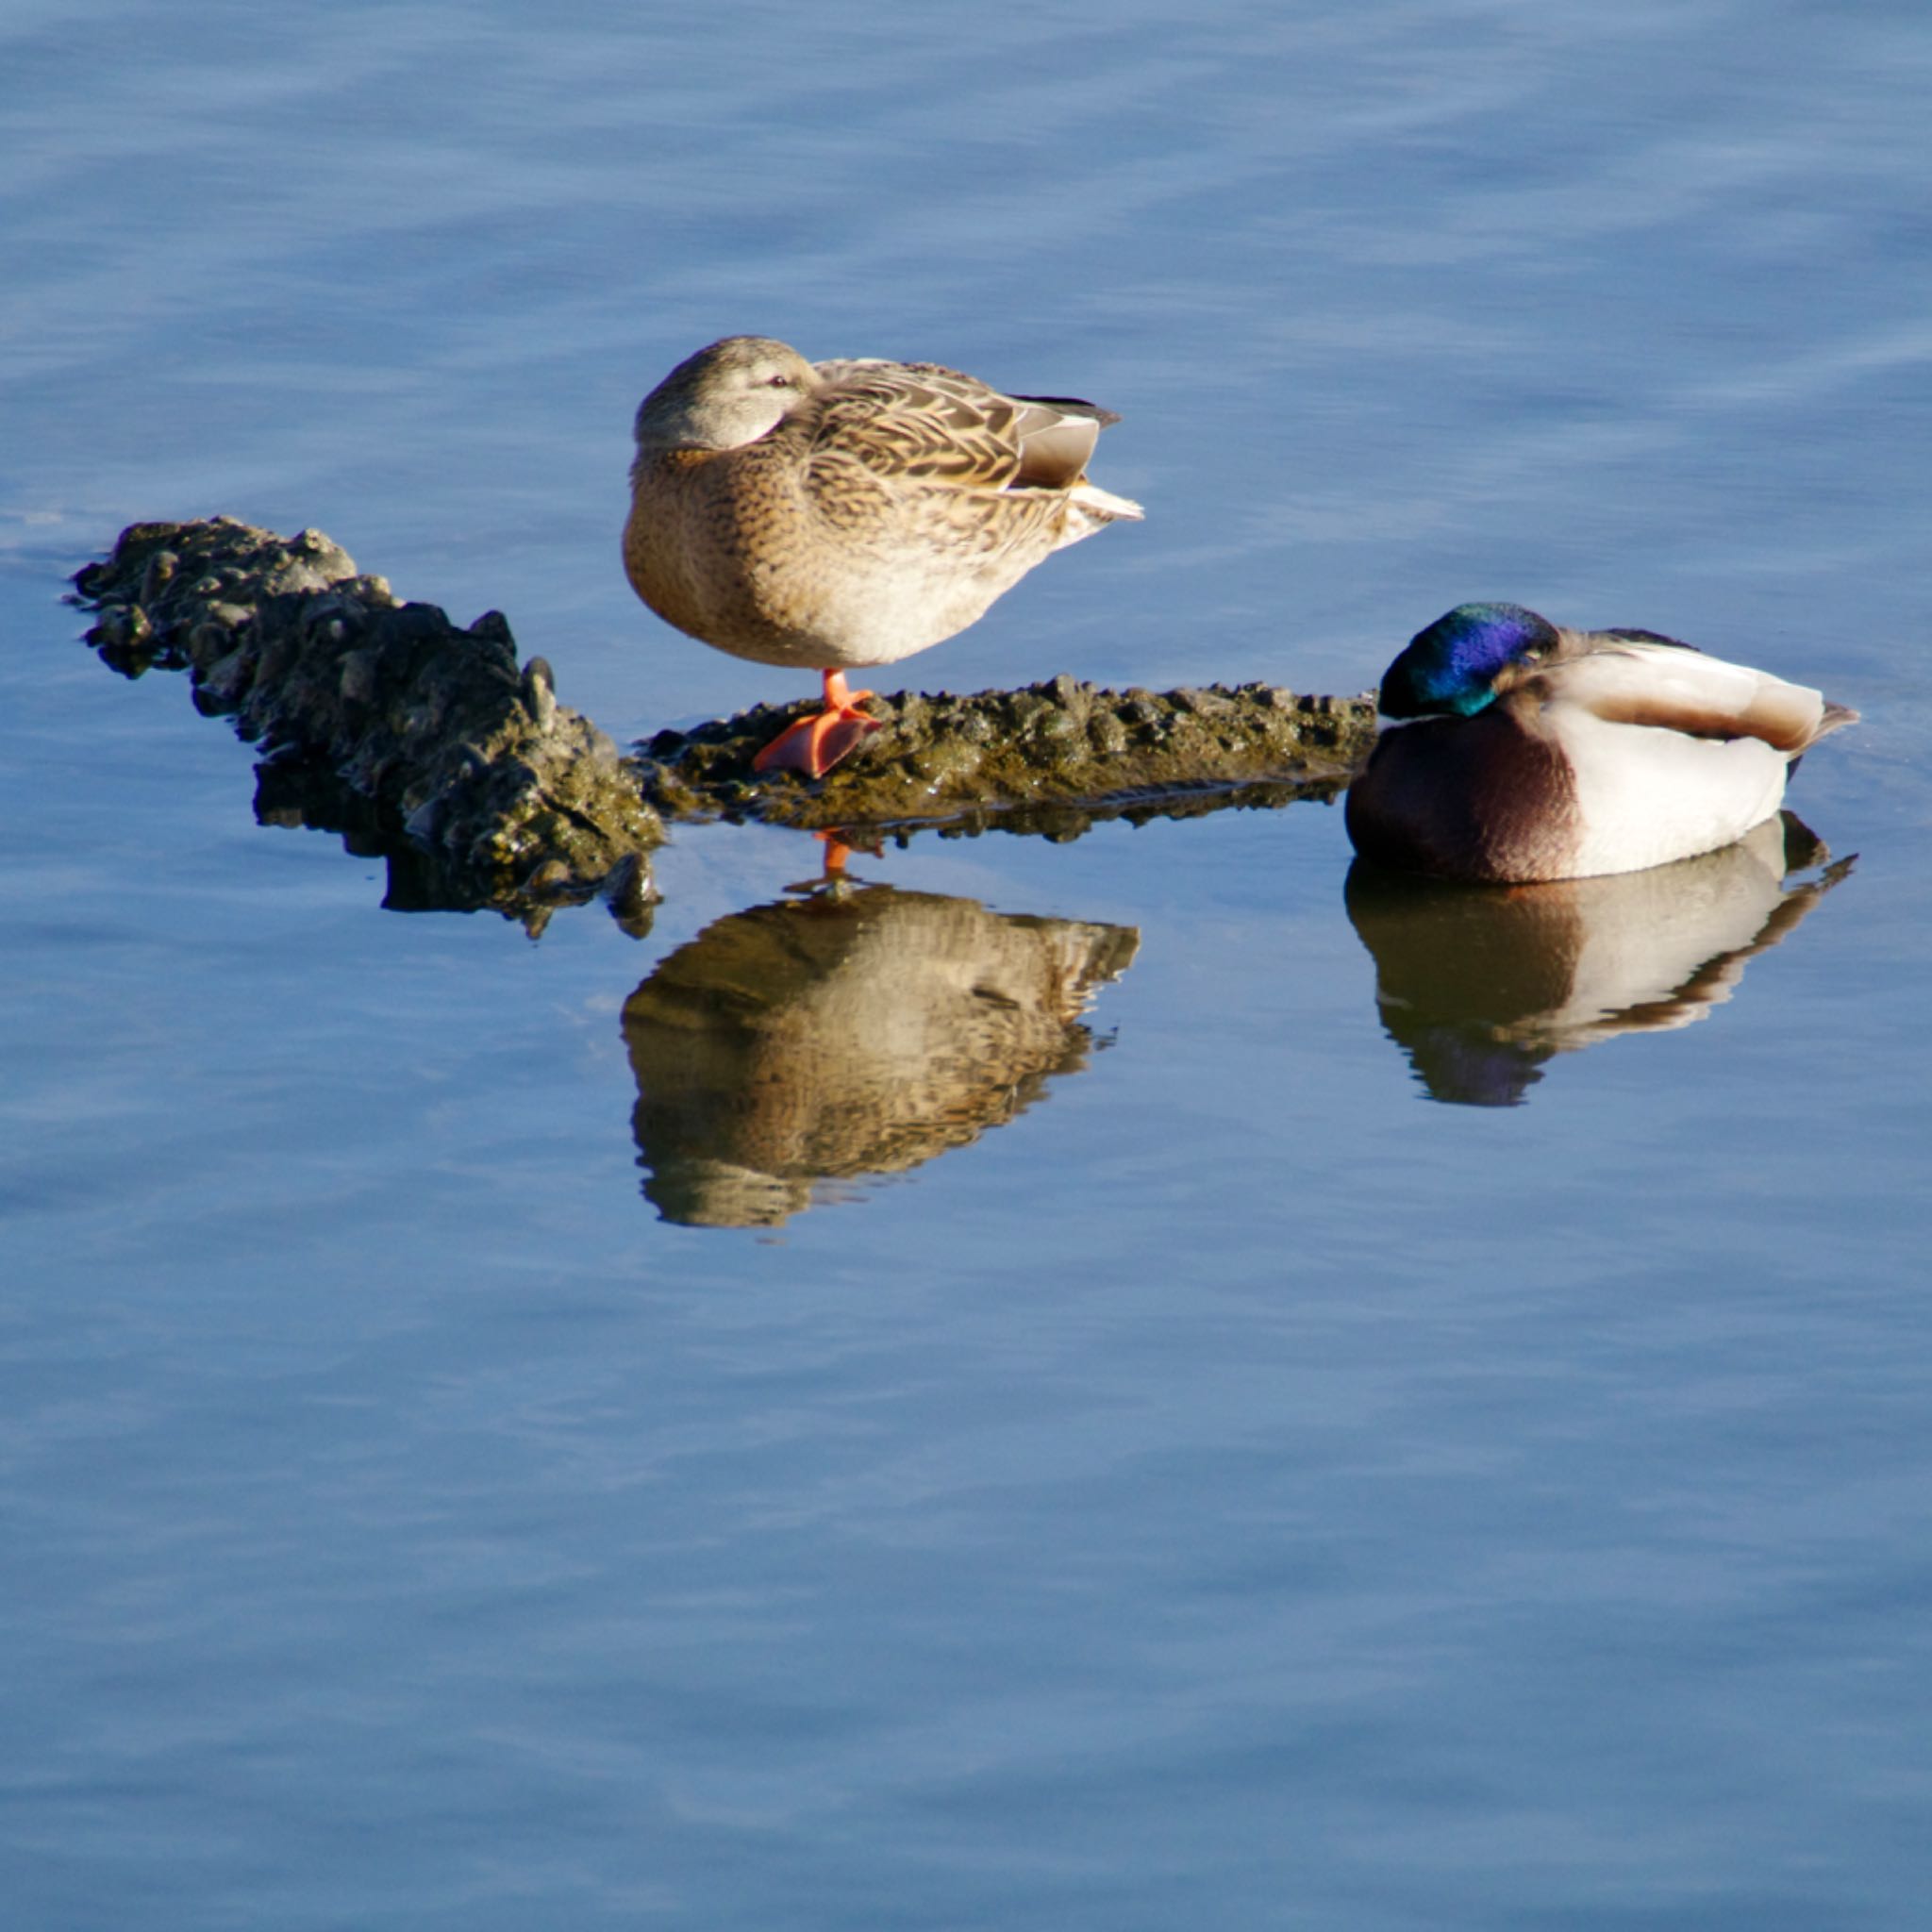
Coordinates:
<point>447,744</point>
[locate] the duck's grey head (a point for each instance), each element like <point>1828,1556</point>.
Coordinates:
<point>1455,667</point>
<point>726,395</point>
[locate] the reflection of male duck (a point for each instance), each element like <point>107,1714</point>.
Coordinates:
<point>1481,985</point>
<point>845,1035</point>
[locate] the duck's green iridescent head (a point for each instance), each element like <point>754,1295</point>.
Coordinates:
<point>1452,668</point>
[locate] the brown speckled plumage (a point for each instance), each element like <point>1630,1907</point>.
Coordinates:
<point>831,515</point>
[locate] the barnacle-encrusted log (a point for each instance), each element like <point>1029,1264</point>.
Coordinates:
<point>429,744</point>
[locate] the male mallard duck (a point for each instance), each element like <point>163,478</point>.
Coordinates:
<point>1516,750</point>
<point>832,514</point>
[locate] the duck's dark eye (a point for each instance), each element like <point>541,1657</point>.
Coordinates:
<point>778,382</point>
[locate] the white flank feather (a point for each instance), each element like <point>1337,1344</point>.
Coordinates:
<point>1674,752</point>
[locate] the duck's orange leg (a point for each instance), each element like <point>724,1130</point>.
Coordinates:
<point>815,744</point>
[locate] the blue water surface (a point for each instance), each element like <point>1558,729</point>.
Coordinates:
<point>1225,1475</point>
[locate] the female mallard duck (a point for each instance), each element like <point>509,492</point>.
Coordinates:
<point>833,514</point>
<point>1516,750</point>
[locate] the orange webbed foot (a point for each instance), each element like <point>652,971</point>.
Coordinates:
<point>815,744</point>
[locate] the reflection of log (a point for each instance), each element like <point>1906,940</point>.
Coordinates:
<point>855,1032</point>
<point>509,798</point>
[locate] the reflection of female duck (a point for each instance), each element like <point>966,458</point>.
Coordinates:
<point>1480,986</point>
<point>846,1035</point>
<point>1519,751</point>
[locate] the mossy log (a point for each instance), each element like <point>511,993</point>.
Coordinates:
<point>429,742</point>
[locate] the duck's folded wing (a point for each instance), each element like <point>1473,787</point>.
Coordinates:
<point>1057,440</point>
<point>907,420</point>
<point>921,419</point>
<point>1677,689</point>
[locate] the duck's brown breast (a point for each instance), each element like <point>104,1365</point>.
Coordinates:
<point>1487,798</point>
